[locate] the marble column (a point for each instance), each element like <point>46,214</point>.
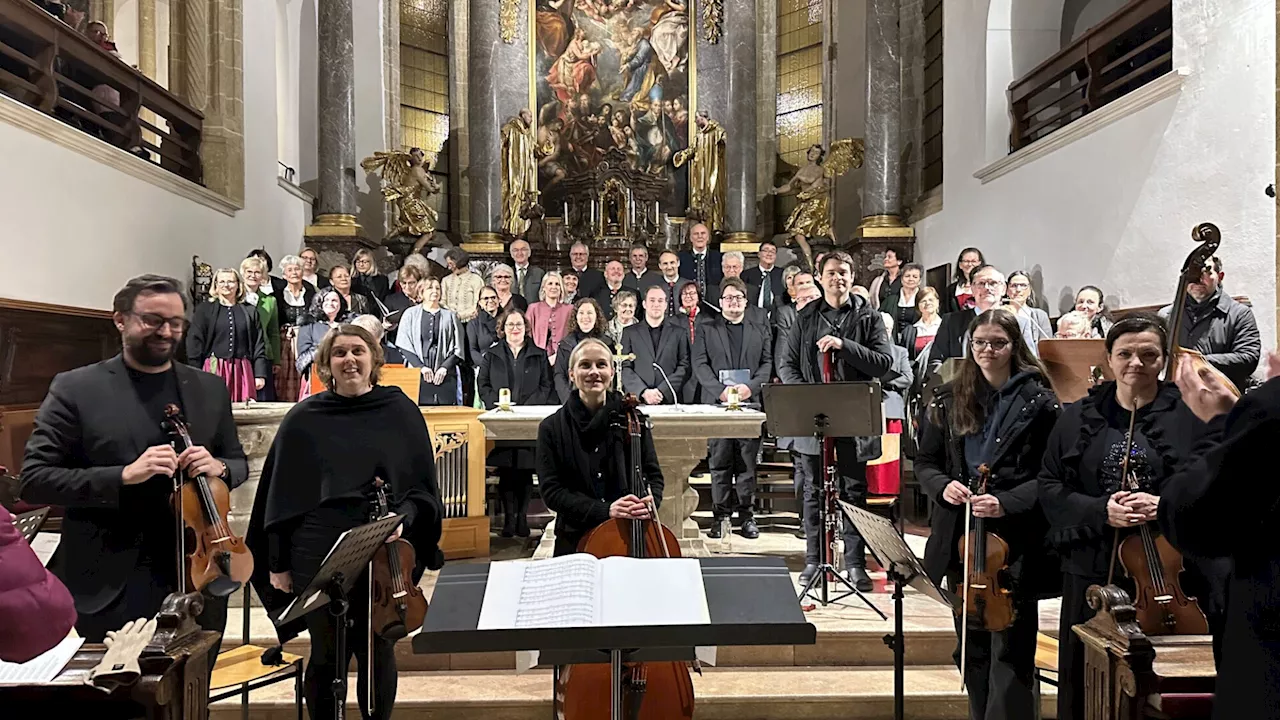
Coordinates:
<point>147,38</point>
<point>497,89</point>
<point>740,119</point>
<point>882,195</point>
<point>336,105</point>
<point>104,11</point>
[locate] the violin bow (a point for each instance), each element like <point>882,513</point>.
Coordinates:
<point>964,596</point>
<point>1124,479</point>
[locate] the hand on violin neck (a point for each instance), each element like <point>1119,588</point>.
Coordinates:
<point>1119,515</point>
<point>1203,391</point>
<point>630,507</point>
<point>956,493</point>
<point>196,460</point>
<point>987,506</point>
<point>155,460</point>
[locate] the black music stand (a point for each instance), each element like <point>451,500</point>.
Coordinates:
<point>903,568</point>
<point>29,523</point>
<point>337,574</point>
<point>750,601</point>
<point>826,410</point>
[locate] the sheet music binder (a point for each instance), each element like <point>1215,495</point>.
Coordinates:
<point>348,558</point>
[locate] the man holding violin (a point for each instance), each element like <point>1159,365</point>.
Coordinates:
<point>98,449</point>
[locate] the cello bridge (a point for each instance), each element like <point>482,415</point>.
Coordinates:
<point>1164,599</point>
<point>399,595</point>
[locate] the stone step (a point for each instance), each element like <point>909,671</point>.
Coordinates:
<point>796,693</point>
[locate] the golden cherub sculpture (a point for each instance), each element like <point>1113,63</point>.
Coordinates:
<point>407,186</point>
<point>812,187</point>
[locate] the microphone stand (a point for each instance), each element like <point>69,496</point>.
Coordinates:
<point>675,397</point>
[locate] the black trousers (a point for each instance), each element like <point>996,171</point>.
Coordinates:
<point>143,594</point>
<point>999,671</point>
<point>321,670</point>
<point>733,472</point>
<point>800,478</point>
<point>851,481</point>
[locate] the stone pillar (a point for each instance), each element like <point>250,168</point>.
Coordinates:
<point>104,11</point>
<point>740,120</point>
<point>882,196</point>
<point>335,227</point>
<point>497,89</point>
<point>147,38</point>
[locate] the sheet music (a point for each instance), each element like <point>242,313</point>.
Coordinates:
<point>43,668</point>
<point>44,545</point>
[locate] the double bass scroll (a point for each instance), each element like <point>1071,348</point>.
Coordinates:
<point>1197,263</point>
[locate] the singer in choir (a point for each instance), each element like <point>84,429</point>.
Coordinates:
<point>582,453</point>
<point>851,335</point>
<point>997,412</point>
<point>1085,498</point>
<point>661,347</point>
<point>586,321</point>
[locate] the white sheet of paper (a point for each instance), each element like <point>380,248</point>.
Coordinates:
<point>43,668</point>
<point>653,591</point>
<point>44,545</point>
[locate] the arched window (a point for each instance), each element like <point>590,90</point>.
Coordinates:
<point>800,111</point>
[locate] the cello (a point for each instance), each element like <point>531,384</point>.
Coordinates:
<point>986,601</point>
<point>218,559</point>
<point>1197,263</point>
<point>650,690</point>
<point>1155,566</point>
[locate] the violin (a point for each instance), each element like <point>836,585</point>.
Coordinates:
<point>1197,263</point>
<point>651,690</point>
<point>987,602</point>
<point>217,558</point>
<point>398,604</point>
<point>1155,566</point>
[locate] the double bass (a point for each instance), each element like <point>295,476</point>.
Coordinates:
<point>986,601</point>
<point>212,555</point>
<point>1197,263</point>
<point>650,690</point>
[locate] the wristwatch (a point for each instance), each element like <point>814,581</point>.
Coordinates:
<point>225,471</point>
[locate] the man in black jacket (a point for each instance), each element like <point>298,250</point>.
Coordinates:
<point>98,449</point>
<point>733,352</point>
<point>1218,327</point>
<point>848,327</point>
<point>702,265</point>
<point>590,280</point>
<point>769,290</point>
<point>952,340</point>
<point>656,340</point>
<point>640,277</point>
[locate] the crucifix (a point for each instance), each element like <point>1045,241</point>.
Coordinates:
<point>618,360</point>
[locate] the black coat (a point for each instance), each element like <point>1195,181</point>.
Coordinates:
<point>783,319</point>
<point>89,427</point>
<point>496,372</point>
<point>563,462</point>
<point>481,335</point>
<point>713,269</point>
<point>590,283</point>
<point>753,276</point>
<point>672,354</point>
<point>1226,333</point>
<point>711,354</point>
<point>1225,505</point>
<point>200,336</point>
<point>1020,441</point>
<point>371,286</point>
<point>639,284</point>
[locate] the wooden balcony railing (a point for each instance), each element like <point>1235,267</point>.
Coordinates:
<point>1129,49</point>
<point>46,64</point>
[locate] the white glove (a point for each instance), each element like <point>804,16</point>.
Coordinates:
<point>119,665</point>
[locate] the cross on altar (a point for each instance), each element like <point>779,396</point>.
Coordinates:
<point>618,360</point>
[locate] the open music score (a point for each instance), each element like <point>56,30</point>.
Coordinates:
<point>581,591</point>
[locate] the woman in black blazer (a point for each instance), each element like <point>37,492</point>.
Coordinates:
<point>582,456</point>
<point>520,366</point>
<point>481,332</point>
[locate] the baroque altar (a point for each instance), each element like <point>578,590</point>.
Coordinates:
<point>613,205</point>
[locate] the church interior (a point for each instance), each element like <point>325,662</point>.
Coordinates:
<point>435,151</point>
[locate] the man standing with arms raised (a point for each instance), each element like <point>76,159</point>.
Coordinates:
<point>846,326</point>
<point>98,449</point>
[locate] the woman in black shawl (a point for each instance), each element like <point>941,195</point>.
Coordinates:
<point>582,453</point>
<point>1081,491</point>
<point>318,481</point>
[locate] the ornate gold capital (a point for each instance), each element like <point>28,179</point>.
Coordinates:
<point>713,20</point>
<point>484,242</point>
<point>742,241</point>
<point>335,225</point>
<point>883,226</point>
<point>509,20</point>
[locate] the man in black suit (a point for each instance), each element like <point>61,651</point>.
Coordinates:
<point>670,281</point>
<point>640,276</point>
<point>703,264</point>
<point>731,265</point>
<point>656,339</point>
<point>98,449</point>
<point>733,352</point>
<point>614,273</point>
<point>952,340</point>
<point>849,328</point>
<point>528,277</point>
<point>590,280</point>
<point>769,289</point>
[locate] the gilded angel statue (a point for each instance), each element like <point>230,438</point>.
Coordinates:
<point>812,187</point>
<point>407,187</point>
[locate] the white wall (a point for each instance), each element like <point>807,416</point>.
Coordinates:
<point>75,229</point>
<point>1116,208</point>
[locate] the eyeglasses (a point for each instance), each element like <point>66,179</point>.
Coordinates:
<point>996,345</point>
<point>153,322</point>
<point>733,298</point>
<point>988,283</point>
<point>489,298</point>
<point>1019,286</point>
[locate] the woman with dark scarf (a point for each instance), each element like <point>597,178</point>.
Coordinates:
<point>1083,497</point>
<point>366,279</point>
<point>997,412</point>
<point>586,321</point>
<point>516,364</point>
<point>318,481</point>
<point>582,453</point>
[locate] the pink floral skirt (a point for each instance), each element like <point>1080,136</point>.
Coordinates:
<point>237,374</point>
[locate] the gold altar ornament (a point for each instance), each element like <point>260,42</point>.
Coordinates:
<point>509,19</point>
<point>407,187</point>
<point>713,20</point>
<point>708,188</point>
<point>812,187</point>
<point>519,172</point>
